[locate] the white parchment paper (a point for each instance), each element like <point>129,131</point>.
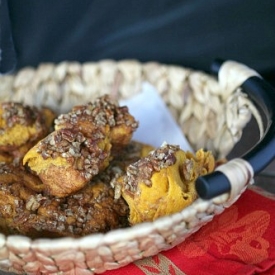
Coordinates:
<point>156,123</point>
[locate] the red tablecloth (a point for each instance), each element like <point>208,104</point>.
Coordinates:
<point>239,241</point>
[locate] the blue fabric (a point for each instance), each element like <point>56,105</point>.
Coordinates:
<point>190,32</point>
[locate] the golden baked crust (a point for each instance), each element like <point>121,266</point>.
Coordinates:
<point>21,126</point>
<point>102,114</point>
<point>163,182</point>
<point>66,160</point>
<point>81,146</point>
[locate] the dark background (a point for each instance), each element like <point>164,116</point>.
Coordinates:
<point>186,32</point>
<point>191,33</point>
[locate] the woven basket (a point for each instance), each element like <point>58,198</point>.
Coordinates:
<point>212,115</point>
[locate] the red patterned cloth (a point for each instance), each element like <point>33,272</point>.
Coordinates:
<point>240,241</point>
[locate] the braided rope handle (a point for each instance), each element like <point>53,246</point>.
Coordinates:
<point>236,174</point>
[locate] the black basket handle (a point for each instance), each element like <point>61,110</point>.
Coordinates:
<point>258,157</point>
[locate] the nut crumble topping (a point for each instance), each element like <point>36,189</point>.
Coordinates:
<point>100,112</point>
<point>143,169</point>
<point>92,209</point>
<point>84,153</point>
<point>17,113</point>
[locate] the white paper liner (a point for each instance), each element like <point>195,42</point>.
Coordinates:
<point>156,123</point>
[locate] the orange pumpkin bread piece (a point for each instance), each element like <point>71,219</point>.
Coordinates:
<point>81,145</point>
<point>103,114</point>
<point>162,183</point>
<point>66,160</point>
<point>21,126</point>
<point>23,211</point>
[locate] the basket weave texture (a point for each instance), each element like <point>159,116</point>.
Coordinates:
<point>210,117</point>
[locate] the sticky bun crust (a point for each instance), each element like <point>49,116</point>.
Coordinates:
<point>24,211</point>
<point>162,183</point>
<point>81,146</point>
<point>21,127</point>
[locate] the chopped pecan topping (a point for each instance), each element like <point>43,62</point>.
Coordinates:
<point>17,113</point>
<point>100,112</point>
<point>142,170</point>
<point>85,154</point>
